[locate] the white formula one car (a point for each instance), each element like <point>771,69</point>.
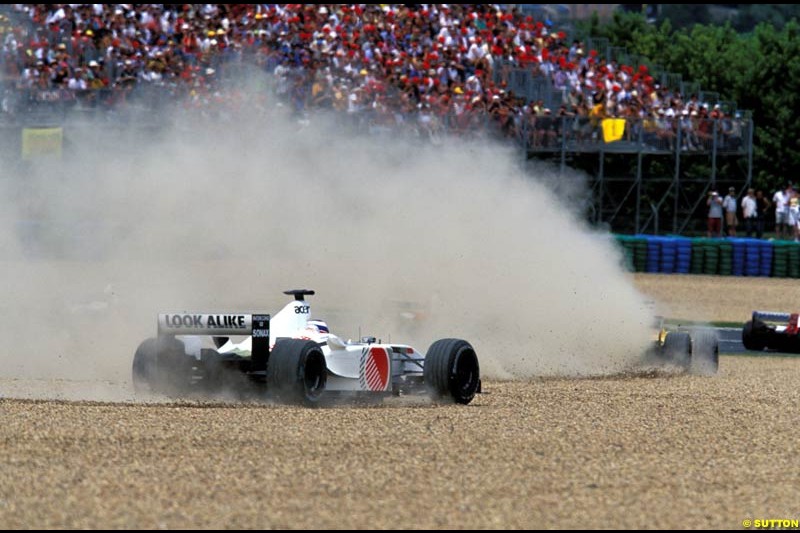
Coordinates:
<point>772,331</point>
<point>296,359</point>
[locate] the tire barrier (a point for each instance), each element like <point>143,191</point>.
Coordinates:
<point>710,257</point>
<point>738,258</point>
<point>726,259</point>
<point>698,257</point>
<point>711,264</point>
<point>752,258</point>
<point>794,262</point>
<point>684,264</point>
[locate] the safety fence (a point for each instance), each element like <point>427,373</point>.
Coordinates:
<point>714,257</point>
<point>533,133</point>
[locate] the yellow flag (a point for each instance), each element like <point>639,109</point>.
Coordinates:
<point>613,129</point>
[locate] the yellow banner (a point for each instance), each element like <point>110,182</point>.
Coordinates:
<point>42,142</point>
<point>613,129</point>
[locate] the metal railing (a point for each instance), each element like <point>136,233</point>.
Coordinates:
<point>534,133</point>
<point>528,84</point>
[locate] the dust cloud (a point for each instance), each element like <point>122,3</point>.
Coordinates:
<point>402,238</point>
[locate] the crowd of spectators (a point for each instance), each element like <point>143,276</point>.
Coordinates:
<point>431,65</point>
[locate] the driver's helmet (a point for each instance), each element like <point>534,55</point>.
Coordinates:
<point>319,326</point>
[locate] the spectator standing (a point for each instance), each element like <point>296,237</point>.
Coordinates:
<point>797,230</point>
<point>794,216</point>
<point>730,206</point>
<point>763,205</point>
<point>750,212</point>
<point>714,215</point>
<point>781,201</point>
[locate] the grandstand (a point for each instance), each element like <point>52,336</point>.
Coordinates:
<point>426,68</point>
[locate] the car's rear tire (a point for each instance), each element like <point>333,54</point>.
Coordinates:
<point>705,353</point>
<point>751,340</point>
<point>677,348</point>
<point>297,373</point>
<point>452,371</point>
<point>161,366</point>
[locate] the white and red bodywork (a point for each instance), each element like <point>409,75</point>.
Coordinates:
<point>366,366</point>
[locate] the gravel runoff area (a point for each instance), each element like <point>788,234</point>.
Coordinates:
<point>628,452</point>
<point>718,299</point>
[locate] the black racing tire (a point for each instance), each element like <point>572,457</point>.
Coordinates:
<point>751,340</point>
<point>451,371</point>
<point>677,348</point>
<point>297,373</point>
<point>161,366</point>
<point>705,353</point>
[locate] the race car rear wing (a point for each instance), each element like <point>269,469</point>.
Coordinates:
<point>767,316</point>
<point>215,325</point>
<point>221,326</point>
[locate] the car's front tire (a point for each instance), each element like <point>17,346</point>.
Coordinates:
<point>452,371</point>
